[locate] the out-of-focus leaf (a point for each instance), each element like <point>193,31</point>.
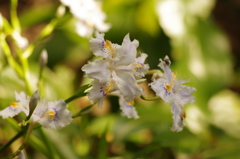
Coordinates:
<point>37,14</point>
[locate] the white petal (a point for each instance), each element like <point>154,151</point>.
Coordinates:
<point>96,94</point>
<point>165,65</point>
<point>129,51</point>
<point>23,99</point>
<point>140,67</point>
<point>97,70</point>
<point>178,123</point>
<point>40,109</point>
<point>127,85</point>
<point>97,45</point>
<point>127,109</point>
<point>83,29</point>
<point>183,95</point>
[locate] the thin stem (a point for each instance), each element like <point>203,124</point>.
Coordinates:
<point>9,57</point>
<point>150,99</point>
<point>13,14</point>
<point>26,76</point>
<point>84,111</point>
<point>18,135</point>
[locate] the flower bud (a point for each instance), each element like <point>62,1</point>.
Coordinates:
<point>21,155</point>
<point>43,59</point>
<point>33,103</point>
<point>61,11</point>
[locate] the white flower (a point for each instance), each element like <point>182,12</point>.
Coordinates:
<point>21,41</point>
<point>22,105</point>
<point>119,66</point>
<point>88,14</point>
<point>52,115</point>
<point>128,109</point>
<point>171,90</point>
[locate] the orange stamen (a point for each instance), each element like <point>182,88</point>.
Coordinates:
<point>50,114</point>
<point>183,115</point>
<point>168,87</point>
<point>13,104</point>
<point>131,103</point>
<point>109,46</point>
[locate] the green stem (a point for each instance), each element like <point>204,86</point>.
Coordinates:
<point>26,76</point>
<point>49,145</point>
<point>9,56</point>
<point>18,135</point>
<point>84,111</point>
<point>150,99</point>
<point>13,14</point>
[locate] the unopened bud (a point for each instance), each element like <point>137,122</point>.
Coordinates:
<point>21,155</point>
<point>43,58</point>
<point>157,75</point>
<point>33,103</point>
<point>167,61</point>
<point>141,80</point>
<point>61,11</point>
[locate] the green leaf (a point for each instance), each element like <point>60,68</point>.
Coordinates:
<point>79,93</point>
<point>84,111</point>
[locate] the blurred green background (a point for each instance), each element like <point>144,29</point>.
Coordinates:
<point>202,39</point>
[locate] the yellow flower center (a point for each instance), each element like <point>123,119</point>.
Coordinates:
<point>13,104</point>
<point>109,87</point>
<point>130,103</point>
<point>138,65</point>
<point>183,115</point>
<point>170,85</point>
<point>108,45</point>
<point>50,114</point>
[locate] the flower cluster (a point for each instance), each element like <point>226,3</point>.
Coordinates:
<point>171,90</point>
<point>52,115</point>
<point>116,72</point>
<point>88,14</point>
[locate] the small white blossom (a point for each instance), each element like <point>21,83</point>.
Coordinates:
<point>128,109</point>
<point>89,16</point>
<point>52,115</point>
<point>22,105</point>
<point>22,42</point>
<point>119,68</point>
<point>171,90</point>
